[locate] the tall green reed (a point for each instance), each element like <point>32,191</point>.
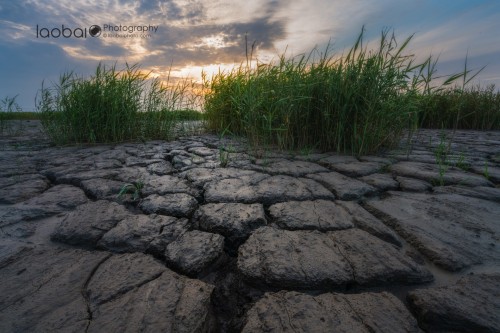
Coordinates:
<point>111,106</point>
<point>461,108</point>
<point>357,102</point>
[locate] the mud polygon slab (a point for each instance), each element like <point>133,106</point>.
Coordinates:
<point>451,230</point>
<point>128,271</point>
<point>231,190</point>
<point>21,178</point>
<point>413,185</point>
<point>320,215</point>
<point>66,290</point>
<point>304,259</point>
<point>291,168</point>
<point>77,177</point>
<point>310,259</point>
<point>433,174</point>
<point>194,251</point>
<point>381,181</point>
<point>200,176</point>
<point>363,220</point>
<point>135,233</point>
<point>160,168</point>
<point>89,222</point>
<point>471,305</point>
<point>56,199</point>
<point>133,161</point>
<point>343,187</point>
<point>375,262</point>
<point>69,168</point>
<point>171,230</point>
<point>357,169</point>
<point>166,185</point>
<point>492,172</point>
<point>11,214</point>
<point>101,188</point>
<point>176,204</point>
<point>44,288</point>
<point>267,191</point>
<point>186,309</point>
<point>10,168</point>
<point>103,163</point>
<point>129,175</point>
<point>286,311</point>
<point>235,221</point>
<point>202,151</point>
<point>480,192</point>
<point>23,191</point>
<point>118,153</point>
<point>285,188</point>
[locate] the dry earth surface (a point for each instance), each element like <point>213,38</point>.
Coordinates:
<point>249,241</point>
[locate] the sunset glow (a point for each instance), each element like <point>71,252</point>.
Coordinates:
<point>209,36</point>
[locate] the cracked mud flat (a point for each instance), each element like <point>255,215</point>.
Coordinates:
<point>274,243</point>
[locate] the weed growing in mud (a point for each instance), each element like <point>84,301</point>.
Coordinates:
<point>486,173</point>
<point>441,153</point>
<point>134,189</point>
<point>461,162</point>
<point>223,156</point>
<point>445,160</point>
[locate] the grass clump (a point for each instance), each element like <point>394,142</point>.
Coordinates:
<point>19,115</point>
<point>461,108</point>
<point>189,115</point>
<point>10,116</point>
<point>110,106</point>
<point>354,103</point>
<point>132,189</point>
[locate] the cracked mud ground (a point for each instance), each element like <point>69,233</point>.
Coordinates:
<point>405,241</point>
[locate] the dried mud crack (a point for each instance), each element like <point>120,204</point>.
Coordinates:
<point>290,243</point>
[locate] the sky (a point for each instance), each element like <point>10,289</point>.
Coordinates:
<point>40,40</point>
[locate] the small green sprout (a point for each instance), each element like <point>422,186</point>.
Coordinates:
<point>131,188</point>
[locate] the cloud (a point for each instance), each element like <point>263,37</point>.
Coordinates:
<point>12,31</point>
<point>183,28</point>
<point>454,37</point>
<point>195,34</point>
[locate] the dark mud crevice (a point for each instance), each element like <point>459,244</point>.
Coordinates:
<point>137,286</point>
<point>359,317</point>
<point>232,297</point>
<point>84,290</point>
<point>290,322</point>
<point>231,246</point>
